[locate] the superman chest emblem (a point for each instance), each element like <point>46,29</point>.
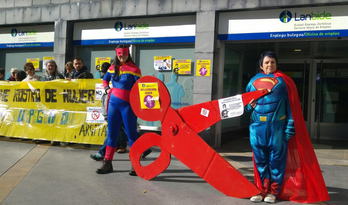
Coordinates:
<point>265,83</point>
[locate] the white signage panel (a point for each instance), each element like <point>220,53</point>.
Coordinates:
<point>27,36</point>
<point>135,31</point>
<point>304,22</point>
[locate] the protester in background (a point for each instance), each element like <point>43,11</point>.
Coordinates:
<point>52,74</point>
<point>80,70</point>
<point>30,70</point>
<point>123,74</point>
<point>2,74</point>
<point>20,75</point>
<point>51,71</point>
<point>104,68</point>
<point>12,77</point>
<point>69,70</point>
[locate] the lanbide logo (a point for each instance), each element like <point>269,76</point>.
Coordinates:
<point>285,16</point>
<point>119,26</point>
<point>15,32</point>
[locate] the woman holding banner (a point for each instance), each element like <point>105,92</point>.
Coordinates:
<point>51,71</point>
<point>123,74</point>
<point>30,70</point>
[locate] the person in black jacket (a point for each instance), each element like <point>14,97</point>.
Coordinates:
<point>80,70</point>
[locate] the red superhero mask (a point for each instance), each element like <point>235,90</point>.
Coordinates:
<point>265,83</point>
<point>122,51</point>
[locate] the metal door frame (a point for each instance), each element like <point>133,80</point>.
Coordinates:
<point>309,121</point>
<point>316,126</point>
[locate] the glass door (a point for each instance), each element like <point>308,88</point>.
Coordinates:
<point>299,71</point>
<point>331,100</point>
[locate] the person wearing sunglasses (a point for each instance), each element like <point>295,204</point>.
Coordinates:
<point>30,71</point>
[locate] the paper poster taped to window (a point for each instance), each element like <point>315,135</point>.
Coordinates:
<point>203,68</point>
<point>100,60</point>
<point>35,62</point>
<point>182,67</point>
<point>163,63</point>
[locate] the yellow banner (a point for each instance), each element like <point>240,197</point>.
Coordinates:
<point>64,111</point>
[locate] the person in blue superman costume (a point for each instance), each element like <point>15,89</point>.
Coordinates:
<point>285,165</point>
<point>123,74</point>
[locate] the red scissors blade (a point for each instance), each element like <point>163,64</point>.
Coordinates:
<point>201,116</point>
<point>183,143</point>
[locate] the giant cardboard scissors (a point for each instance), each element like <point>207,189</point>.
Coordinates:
<point>180,138</point>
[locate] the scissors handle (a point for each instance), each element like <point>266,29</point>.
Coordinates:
<point>146,141</point>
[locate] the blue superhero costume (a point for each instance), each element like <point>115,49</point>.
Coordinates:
<point>119,107</point>
<point>271,127</point>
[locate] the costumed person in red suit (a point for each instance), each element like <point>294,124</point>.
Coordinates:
<point>285,165</point>
<point>123,74</point>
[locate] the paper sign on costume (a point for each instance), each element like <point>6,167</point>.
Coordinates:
<point>231,107</point>
<point>94,115</point>
<point>35,62</point>
<point>149,96</point>
<point>203,68</point>
<point>162,62</point>
<point>45,60</point>
<point>182,67</point>
<point>99,62</point>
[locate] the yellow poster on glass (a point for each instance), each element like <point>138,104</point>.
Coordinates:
<point>100,60</point>
<point>149,96</point>
<point>203,67</point>
<point>35,62</point>
<point>182,67</point>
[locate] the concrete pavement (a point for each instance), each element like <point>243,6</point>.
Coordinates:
<point>41,174</point>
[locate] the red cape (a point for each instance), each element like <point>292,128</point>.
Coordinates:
<point>303,181</point>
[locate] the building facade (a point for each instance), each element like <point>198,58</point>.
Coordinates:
<point>310,38</point>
